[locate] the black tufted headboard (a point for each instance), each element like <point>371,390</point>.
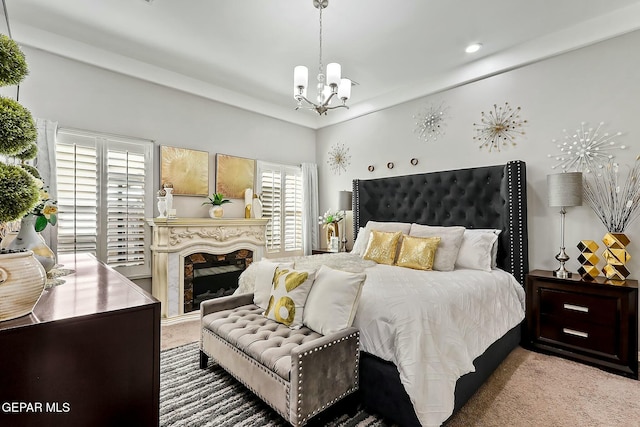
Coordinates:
<point>484,197</point>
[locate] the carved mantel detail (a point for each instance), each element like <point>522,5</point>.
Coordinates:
<point>176,238</point>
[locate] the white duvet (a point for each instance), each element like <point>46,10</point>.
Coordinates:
<point>433,324</point>
<point>430,324</point>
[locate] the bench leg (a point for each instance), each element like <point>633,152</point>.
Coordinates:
<point>204,359</point>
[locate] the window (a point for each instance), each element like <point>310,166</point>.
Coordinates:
<point>105,191</point>
<point>281,189</point>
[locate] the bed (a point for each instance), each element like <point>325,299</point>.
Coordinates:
<point>440,375</point>
<point>492,197</point>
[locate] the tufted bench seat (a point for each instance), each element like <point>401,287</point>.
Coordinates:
<point>299,373</point>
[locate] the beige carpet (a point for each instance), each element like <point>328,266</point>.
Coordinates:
<point>529,389</point>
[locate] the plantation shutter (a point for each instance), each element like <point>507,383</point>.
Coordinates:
<point>106,214</point>
<point>280,187</point>
<point>293,209</point>
<point>125,198</point>
<point>78,183</point>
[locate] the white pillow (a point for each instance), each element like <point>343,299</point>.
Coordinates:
<point>450,241</point>
<point>289,295</point>
<point>264,281</point>
<point>476,249</point>
<point>360,245</point>
<point>333,300</point>
<point>380,226</point>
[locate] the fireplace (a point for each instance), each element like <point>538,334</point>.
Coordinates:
<point>187,251</point>
<point>208,276</point>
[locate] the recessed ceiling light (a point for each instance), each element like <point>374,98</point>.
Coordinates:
<point>473,47</point>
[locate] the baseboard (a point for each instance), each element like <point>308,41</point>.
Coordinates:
<point>194,315</point>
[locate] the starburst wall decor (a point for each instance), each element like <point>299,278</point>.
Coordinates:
<point>499,128</point>
<point>431,122</point>
<point>339,158</point>
<point>585,150</point>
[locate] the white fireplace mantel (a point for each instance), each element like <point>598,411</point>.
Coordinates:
<point>176,238</point>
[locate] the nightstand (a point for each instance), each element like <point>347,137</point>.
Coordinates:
<point>590,321</point>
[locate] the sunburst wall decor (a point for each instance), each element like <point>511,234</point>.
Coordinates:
<point>339,158</point>
<point>499,128</point>
<point>586,149</point>
<point>430,123</point>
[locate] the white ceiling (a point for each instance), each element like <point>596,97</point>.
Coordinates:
<point>242,52</point>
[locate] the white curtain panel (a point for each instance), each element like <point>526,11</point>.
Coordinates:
<point>45,162</point>
<point>310,207</point>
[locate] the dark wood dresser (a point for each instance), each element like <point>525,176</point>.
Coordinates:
<point>89,355</point>
<point>590,321</point>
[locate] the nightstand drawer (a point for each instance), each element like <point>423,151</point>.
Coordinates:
<point>576,333</point>
<point>581,307</point>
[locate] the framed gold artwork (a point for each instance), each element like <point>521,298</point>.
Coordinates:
<point>187,170</point>
<point>234,175</point>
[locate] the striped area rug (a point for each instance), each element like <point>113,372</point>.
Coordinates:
<point>190,397</point>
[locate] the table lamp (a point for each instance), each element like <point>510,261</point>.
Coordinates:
<point>345,203</point>
<point>565,190</point>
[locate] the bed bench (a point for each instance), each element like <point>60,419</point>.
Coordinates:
<point>298,372</point>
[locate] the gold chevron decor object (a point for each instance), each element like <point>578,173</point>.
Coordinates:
<point>616,256</point>
<point>588,259</point>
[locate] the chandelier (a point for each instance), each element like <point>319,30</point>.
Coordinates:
<point>329,85</point>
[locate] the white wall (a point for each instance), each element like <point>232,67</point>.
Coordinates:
<point>86,97</point>
<point>593,84</point>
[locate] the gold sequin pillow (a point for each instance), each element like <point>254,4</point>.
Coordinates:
<point>289,292</point>
<point>418,252</point>
<point>382,247</point>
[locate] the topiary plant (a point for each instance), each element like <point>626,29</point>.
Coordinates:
<point>13,67</point>
<point>19,190</point>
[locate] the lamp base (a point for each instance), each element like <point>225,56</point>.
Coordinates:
<point>562,273</point>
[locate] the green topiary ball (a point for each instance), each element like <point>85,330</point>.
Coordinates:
<point>18,192</point>
<point>33,171</point>
<point>17,129</point>
<point>30,153</point>
<point>13,67</point>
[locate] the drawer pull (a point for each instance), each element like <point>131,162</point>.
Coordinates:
<point>575,333</point>
<point>576,308</point>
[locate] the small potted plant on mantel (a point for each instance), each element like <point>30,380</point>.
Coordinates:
<point>216,201</point>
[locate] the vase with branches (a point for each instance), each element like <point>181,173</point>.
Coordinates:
<point>615,199</point>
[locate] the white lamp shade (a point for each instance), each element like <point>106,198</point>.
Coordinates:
<point>565,189</point>
<point>344,90</point>
<point>300,76</point>
<point>333,74</point>
<point>325,94</point>
<point>345,201</point>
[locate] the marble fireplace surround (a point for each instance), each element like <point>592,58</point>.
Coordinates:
<point>176,238</point>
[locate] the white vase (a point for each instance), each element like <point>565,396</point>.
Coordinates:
<point>216,212</point>
<point>168,198</point>
<point>29,238</point>
<point>22,280</point>
<point>257,207</point>
<point>162,207</point>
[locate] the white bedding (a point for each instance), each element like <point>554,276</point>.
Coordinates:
<point>433,324</point>
<point>430,324</point>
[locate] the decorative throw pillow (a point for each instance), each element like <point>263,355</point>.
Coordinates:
<point>288,296</point>
<point>476,250</point>
<point>417,252</point>
<point>333,300</point>
<point>382,247</point>
<point>450,241</point>
<point>360,245</point>
<point>264,280</point>
<point>381,226</point>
